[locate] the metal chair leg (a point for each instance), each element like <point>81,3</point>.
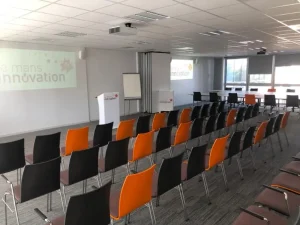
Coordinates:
<point>287,140</point>
<point>136,163</point>
<point>99,180</point>
<point>47,203</point>
<point>171,151</point>
<point>111,221</point>
<point>113,176</point>
<point>240,168</point>
<point>206,187</point>
<point>152,209</point>
<point>279,140</point>
<point>252,158</point>
<point>5,210</point>
<point>16,210</point>
<point>128,168</point>
<point>61,199</point>
<point>272,148</point>
<point>157,201</point>
<point>64,195</point>
<point>224,176</point>
<point>186,218</point>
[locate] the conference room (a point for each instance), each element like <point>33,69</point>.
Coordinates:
<point>149,112</point>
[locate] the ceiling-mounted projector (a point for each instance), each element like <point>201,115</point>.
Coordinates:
<point>124,30</point>
<point>262,51</point>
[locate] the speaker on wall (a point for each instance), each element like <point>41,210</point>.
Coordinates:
<point>82,54</point>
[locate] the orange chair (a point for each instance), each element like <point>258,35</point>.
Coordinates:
<point>216,156</point>
<point>135,193</point>
<point>250,99</point>
<point>159,121</point>
<point>185,115</point>
<point>182,135</point>
<point>260,133</point>
<point>272,90</point>
<point>125,129</point>
<point>230,120</point>
<point>283,125</point>
<point>142,147</point>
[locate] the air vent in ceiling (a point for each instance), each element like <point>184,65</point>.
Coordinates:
<point>127,47</point>
<point>42,39</point>
<point>70,34</point>
<point>147,17</point>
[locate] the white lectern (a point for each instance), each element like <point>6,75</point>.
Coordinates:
<point>109,108</point>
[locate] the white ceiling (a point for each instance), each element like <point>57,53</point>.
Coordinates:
<point>38,21</point>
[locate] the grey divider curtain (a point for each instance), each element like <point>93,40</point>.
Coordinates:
<point>145,70</point>
<point>260,64</point>
<point>287,60</point>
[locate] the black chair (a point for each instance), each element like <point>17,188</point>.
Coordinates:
<point>238,89</point>
<point>116,155</point>
<point>269,132</point>
<point>83,165</point>
<point>255,111</point>
<point>291,90</point>
<point>292,101</point>
<point>143,125</point>
<point>270,100</point>
<point>91,208</point>
<point>248,143</point>
<point>204,111</point>
<point>228,89</point>
<point>210,126</point>
<point>197,97</point>
<point>221,106</point>
<point>172,118</point>
<point>248,113</point>
<point>12,157</point>
<point>277,126</point>
<point>221,122</point>
<point>234,148</point>
<point>197,129</point>
<point>232,99</point>
<point>195,112</point>
<point>195,165</point>
<point>239,116</point>
<point>38,180</point>
<point>253,89</point>
<point>163,140</point>
<point>214,97</point>
<point>168,178</point>
<point>102,135</point>
<point>45,148</point>
<point>213,109</point>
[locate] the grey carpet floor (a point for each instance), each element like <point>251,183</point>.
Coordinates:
<point>225,205</point>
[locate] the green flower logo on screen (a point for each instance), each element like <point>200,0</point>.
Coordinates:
<point>66,65</point>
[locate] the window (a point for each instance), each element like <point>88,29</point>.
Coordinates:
<point>236,70</point>
<point>287,75</point>
<point>260,78</point>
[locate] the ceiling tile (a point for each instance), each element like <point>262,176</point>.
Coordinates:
<point>26,22</point>
<point>44,30</point>
<point>211,4</point>
<point>87,4</point>
<point>44,17</point>
<point>284,10</point>
<point>61,10</point>
<point>285,17</point>
<point>232,10</point>
<point>149,5</point>
<point>176,10</point>
<point>76,22</point>
<point>268,4</point>
<point>118,22</point>
<point>4,19</point>
<point>14,12</point>
<point>171,22</point>
<point>119,10</point>
<point>28,4</point>
<point>96,17</point>
<point>15,27</point>
<point>99,26</point>
<point>60,27</point>
<point>196,17</point>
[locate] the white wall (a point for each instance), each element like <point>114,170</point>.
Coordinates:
<point>202,81</point>
<point>105,69</point>
<point>32,110</point>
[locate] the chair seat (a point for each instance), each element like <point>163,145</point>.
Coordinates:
<point>276,201</point>
<point>293,166</point>
<point>64,177</point>
<point>101,165</point>
<point>29,158</point>
<point>17,192</point>
<point>114,203</point>
<point>287,181</point>
<point>57,221</point>
<point>246,219</point>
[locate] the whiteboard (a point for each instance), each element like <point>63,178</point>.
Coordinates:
<point>132,86</point>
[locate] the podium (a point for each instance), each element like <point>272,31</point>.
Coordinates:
<point>109,108</point>
<point>163,101</point>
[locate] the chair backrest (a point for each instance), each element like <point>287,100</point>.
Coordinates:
<point>125,129</point>
<point>221,121</point>
<point>213,109</point>
<point>143,145</point>
<point>232,98</point>
<point>116,154</point>
<point>221,106</point>
<point>217,152</point>
<point>183,133</point>
<point>231,117</point>
<point>238,89</point>
<point>172,118</point>
<point>196,161</point>
<point>240,115</point>
<point>40,179</point>
<point>103,134</point>
<point>90,208</point>
<point>234,147</point>
<point>292,101</point>
<point>210,124</point>
<point>278,121</point>
<point>213,97</point>
<point>197,128</point>
<point>197,97</point>
<point>270,126</point>
<point>185,115</point>
<point>204,110</point>
<point>248,113</point>
<point>250,99</point>
<point>272,90</point>
<point>76,140</point>
<point>83,165</point>
<point>270,100</point>
<point>159,121</point>
<point>228,89</point>
<point>285,119</point>
<point>195,112</point>
<point>253,89</point>
<point>163,139</point>
<point>143,125</point>
<point>255,110</point>
<point>248,138</point>
<point>260,133</point>
<point>291,90</point>
<point>136,191</point>
<point>169,174</point>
